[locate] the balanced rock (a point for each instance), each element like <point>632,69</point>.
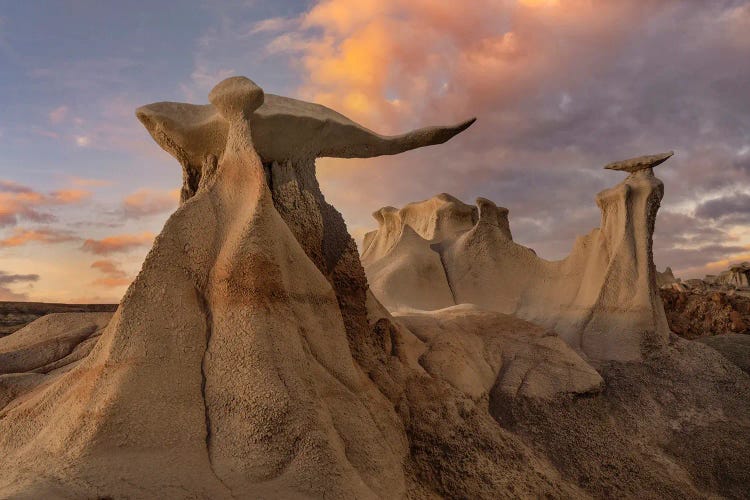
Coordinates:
<point>737,276</point>
<point>241,358</point>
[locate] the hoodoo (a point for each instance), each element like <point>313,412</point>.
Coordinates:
<point>241,357</point>
<point>602,299</point>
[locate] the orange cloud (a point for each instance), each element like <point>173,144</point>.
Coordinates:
<point>145,202</point>
<point>66,196</point>
<point>539,3</point>
<point>18,201</point>
<point>80,181</point>
<point>114,276</point>
<point>392,62</point>
<point>109,267</point>
<point>716,267</point>
<point>118,243</point>
<point>112,282</point>
<point>47,236</point>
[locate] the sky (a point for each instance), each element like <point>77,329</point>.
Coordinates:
<point>560,88</point>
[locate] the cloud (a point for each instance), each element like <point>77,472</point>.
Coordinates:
<point>68,196</point>
<point>11,279</point>
<point>58,115</point>
<point>118,244</point>
<point>84,182</point>
<point>560,89</point>
<point>45,133</point>
<point>114,277</point>
<point>13,187</point>
<point>145,202</point>
<point>7,279</point>
<point>733,208</point>
<point>203,79</point>
<point>46,235</point>
<point>109,267</point>
<point>22,202</point>
<point>274,24</point>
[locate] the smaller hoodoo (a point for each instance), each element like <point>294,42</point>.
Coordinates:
<point>602,299</point>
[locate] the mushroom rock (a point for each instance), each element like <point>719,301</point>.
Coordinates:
<point>602,299</point>
<point>241,360</point>
<point>284,130</point>
<point>737,275</point>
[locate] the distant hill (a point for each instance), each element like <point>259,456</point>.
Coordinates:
<point>16,315</point>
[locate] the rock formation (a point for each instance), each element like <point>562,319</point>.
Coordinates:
<point>602,299</point>
<point>232,360</point>
<point>700,313</point>
<point>249,360</point>
<point>666,279</point>
<point>737,276</point>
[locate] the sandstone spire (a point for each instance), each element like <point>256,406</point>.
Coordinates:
<point>602,299</point>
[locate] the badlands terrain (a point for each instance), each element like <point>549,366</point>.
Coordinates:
<point>258,355</point>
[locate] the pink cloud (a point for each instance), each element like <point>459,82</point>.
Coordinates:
<point>84,182</point>
<point>145,202</point>
<point>560,87</point>
<point>22,202</point>
<point>118,243</point>
<point>58,115</point>
<point>114,276</point>
<point>68,196</point>
<point>21,237</point>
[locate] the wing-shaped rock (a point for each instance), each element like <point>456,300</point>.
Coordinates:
<point>640,163</point>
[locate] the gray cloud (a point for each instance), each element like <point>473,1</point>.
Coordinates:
<point>732,208</point>
<point>8,279</point>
